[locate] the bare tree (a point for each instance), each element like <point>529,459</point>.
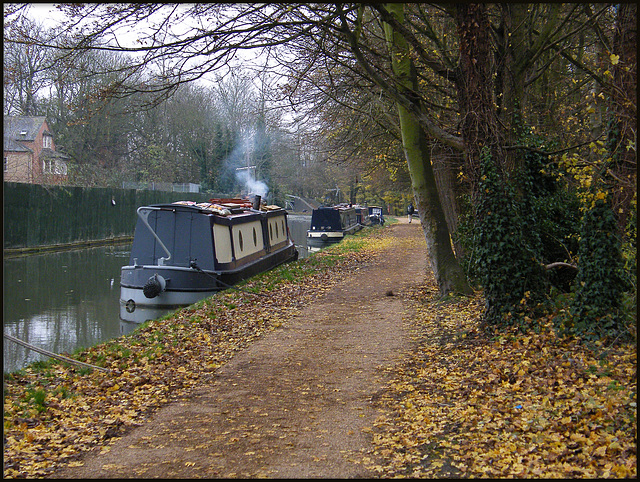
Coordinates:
<point>462,81</point>
<point>25,67</point>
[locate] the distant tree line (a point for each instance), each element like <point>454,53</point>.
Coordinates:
<point>200,133</point>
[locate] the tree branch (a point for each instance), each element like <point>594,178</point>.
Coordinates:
<point>425,122</point>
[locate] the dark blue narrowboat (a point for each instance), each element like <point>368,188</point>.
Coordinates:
<point>329,225</point>
<point>185,251</point>
<point>375,215</point>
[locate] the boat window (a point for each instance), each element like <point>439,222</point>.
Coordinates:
<point>277,235</point>
<point>240,240</point>
<point>270,232</point>
<point>282,222</point>
<point>255,237</point>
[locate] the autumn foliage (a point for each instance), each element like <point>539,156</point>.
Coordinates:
<point>54,412</point>
<point>471,403</point>
<point>464,401</point>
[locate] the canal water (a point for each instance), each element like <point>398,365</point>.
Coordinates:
<point>65,301</point>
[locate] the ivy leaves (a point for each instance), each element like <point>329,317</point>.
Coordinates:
<point>505,260</point>
<point>600,282</point>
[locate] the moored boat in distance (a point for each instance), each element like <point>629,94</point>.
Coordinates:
<point>330,224</point>
<point>185,251</point>
<point>362,215</point>
<point>375,215</point>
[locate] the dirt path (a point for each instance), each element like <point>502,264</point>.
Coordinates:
<point>295,404</point>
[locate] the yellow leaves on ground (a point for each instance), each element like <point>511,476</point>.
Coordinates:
<point>465,405</point>
<point>53,414</point>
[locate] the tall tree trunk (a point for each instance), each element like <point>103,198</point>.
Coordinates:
<point>475,93</point>
<point>446,269</point>
<point>447,164</point>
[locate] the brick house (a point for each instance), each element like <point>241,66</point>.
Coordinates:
<point>30,154</point>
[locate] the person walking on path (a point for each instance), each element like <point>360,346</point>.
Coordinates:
<point>410,212</point>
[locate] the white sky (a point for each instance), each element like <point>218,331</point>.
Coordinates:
<point>50,16</point>
<point>45,13</point>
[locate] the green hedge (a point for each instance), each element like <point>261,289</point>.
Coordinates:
<point>36,215</point>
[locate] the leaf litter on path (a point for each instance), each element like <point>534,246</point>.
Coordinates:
<point>468,404</point>
<point>463,403</point>
<point>54,413</point>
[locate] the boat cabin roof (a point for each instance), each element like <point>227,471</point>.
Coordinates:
<point>330,216</point>
<point>221,207</point>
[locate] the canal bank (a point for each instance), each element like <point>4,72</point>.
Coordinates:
<point>64,300</point>
<point>94,243</point>
<point>154,367</point>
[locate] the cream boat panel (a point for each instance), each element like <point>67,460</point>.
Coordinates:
<point>247,239</point>
<point>222,239</point>
<point>277,230</point>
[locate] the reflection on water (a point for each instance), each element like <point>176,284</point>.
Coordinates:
<point>65,301</point>
<point>61,302</point>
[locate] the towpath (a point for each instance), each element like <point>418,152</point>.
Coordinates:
<point>296,403</point>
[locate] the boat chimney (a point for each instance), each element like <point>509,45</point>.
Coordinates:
<point>256,201</point>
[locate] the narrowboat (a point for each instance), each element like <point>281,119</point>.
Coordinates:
<point>375,215</point>
<point>329,225</point>
<point>185,251</point>
<point>362,215</point>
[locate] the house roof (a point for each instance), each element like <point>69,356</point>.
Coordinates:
<point>20,128</point>
<point>47,153</point>
<point>9,145</point>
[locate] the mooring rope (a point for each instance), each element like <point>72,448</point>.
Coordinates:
<point>53,355</point>
<point>200,270</point>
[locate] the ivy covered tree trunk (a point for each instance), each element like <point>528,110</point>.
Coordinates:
<point>479,125</point>
<point>448,273</point>
<point>600,283</point>
<point>513,279</point>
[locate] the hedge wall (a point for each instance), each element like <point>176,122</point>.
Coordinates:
<point>36,215</point>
